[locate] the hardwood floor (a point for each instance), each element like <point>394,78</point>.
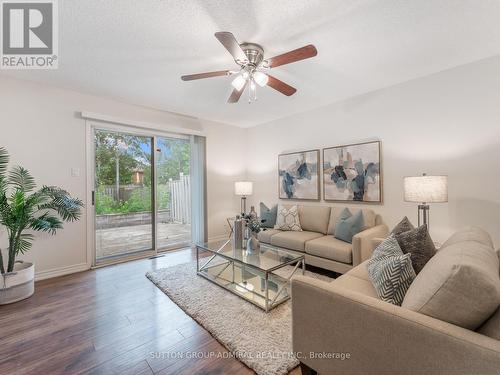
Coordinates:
<point>112,320</point>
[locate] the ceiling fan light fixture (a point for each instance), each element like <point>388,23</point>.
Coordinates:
<point>239,82</point>
<point>260,78</point>
<point>250,57</point>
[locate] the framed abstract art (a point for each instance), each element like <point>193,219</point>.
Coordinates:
<point>298,175</point>
<point>352,173</point>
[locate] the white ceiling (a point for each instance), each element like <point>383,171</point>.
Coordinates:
<point>136,51</point>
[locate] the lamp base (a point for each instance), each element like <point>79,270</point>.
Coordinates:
<point>423,211</point>
<point>243,206</point>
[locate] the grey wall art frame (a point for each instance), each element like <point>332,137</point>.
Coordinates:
<point>353,173</point>
<point>299,175</point>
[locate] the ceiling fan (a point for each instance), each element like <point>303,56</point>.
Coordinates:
<point>250,58</point>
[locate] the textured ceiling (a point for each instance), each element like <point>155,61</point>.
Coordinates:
<point>136,51</point>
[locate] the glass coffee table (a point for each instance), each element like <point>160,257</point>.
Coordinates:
<point>260,277</point>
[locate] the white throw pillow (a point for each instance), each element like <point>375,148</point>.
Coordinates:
<point>288,219</point>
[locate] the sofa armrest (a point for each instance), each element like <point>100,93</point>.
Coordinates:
<point>369,336</point>
<point>362,245</point>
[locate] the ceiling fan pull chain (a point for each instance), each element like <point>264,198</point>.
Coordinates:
<point>253,90</point>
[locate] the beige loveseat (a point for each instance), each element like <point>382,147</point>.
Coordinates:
<point>316,239</point>
<point>346,317</point>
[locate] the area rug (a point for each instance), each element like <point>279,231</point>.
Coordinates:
<point>263,341</point>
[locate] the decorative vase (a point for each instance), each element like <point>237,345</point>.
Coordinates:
<point>253,213</point>
<point>238,233</point>
<point>253,244</point>
<point>17,285</point>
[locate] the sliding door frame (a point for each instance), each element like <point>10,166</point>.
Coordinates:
<point>91,127</point>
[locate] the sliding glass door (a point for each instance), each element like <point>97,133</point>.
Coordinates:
<point>123,194</point>
<point>142,194</point>
<point>173,192</point>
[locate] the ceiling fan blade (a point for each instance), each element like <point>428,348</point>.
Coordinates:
<point>229,41</point>
<point>292,56</point>
<point>280,86</point>
<point>219,73</point>
<point>236,95</point>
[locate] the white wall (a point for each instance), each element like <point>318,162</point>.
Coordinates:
<point>447,123</point>
<point>41,128</point>
<point>225,165</point>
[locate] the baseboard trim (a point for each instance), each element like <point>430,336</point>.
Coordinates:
<point>61,271</point>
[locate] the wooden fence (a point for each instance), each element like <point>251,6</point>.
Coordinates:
<point>123,193</point>
<point>180,200</point>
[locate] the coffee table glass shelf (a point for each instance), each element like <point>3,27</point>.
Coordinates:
<point>261,277</point>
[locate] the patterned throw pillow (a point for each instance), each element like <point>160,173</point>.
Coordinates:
<point>418,243</point>
<point>269,215</point>
<point>349,225</point>
<point>390,271</point>
<point>403,226</point>
<point>288,219</point>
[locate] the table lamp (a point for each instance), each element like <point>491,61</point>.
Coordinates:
<point>243,189</point>
<point>425,189</point>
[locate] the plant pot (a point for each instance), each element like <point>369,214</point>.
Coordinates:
<point>17,285</point>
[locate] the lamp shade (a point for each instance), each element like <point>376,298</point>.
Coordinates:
<point>243,188</point>
<point>426,189</point>
<point>260,78</point>
<point>239,82</point>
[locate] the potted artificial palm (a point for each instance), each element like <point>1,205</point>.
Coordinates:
<point>23,210</point>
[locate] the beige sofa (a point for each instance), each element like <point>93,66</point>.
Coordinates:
<point>346,316</point>
<point>316,239</point>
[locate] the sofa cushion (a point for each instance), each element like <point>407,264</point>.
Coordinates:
<point>314,218</point>
<point>390,271</point>
<point>268,215</point>
<point>470,234</point>
<point>288,218</point>
<point>419,244</point>
<point>403,226</point>
<point>330,248</point>
<point>459,285</point>
<point>360,271</point>
<point>369,218</point>
<point>356,284</point>
<point>265,235</point>
<point>349,225</point>
<point>491,327</point>
<point>293,240</point>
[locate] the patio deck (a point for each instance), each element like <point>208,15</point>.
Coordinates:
<point>116,241</point>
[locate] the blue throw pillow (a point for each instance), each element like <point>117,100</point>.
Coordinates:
<point>269,215</point>
<point>349,225</point>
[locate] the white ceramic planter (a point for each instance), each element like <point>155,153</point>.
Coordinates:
<point>17,285</point>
